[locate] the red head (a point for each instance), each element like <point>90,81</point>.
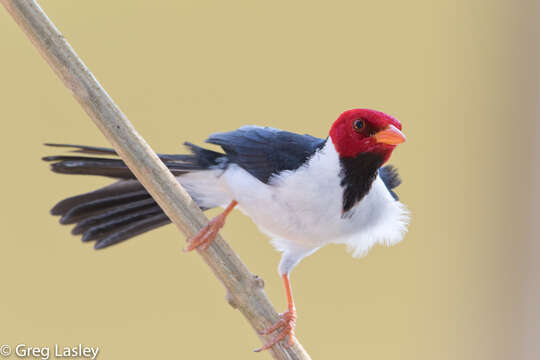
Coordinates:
<point>366,131</point>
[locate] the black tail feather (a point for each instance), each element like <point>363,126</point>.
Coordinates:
<point>132,230</point>
<point>80,165</point>
<point>82,211</point>
<point>109,227</point>
<point>118,188</point>
<point>199,159</point>
<point>114,213</point>
<point>85,149</point>
<point>123,209</point>
<point>115,168</point>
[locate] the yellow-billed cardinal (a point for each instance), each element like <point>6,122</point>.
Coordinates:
<point>304,192</point>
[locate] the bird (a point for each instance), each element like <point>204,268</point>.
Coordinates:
<point>304,192</point>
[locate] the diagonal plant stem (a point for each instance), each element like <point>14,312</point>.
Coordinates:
<point>244,290</point>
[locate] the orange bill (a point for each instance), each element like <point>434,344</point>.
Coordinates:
<point>391,136</point>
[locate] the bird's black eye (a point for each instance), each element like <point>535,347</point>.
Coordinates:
<point>358,125</point>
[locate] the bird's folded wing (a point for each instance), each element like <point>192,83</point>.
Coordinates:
<point>265,151</point>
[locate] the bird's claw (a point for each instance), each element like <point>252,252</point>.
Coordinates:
<point>287,323</point>
<point>204,238</point>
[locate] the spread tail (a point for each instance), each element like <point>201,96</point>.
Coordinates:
<point>123,209</point>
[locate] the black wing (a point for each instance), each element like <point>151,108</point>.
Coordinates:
<point>390,178</point>
<point>265,151</point>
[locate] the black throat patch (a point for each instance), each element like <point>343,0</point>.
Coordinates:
<point>357,176</point>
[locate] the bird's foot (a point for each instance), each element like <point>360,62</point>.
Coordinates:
<point>287,324</point>
<point>207,234</point>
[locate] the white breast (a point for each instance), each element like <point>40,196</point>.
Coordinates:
<point>302,209</point>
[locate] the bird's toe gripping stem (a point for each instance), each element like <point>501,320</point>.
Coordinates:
<point>287,324</point>
<point>204,238</point>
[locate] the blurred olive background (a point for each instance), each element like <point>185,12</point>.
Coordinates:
<point>460,75</point>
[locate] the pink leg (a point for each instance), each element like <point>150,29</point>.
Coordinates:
<point>287,321</point>
<point>204,238</point>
